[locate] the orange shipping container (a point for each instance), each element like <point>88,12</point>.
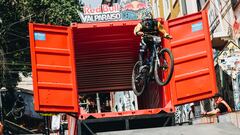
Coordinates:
<point>99,57</point>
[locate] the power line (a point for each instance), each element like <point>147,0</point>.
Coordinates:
<point>15,63</point>
<point>18,32</point>
<point>8,41</point>
<point>17,50</point>
<point>22,20</point>
<point>19,68</point>
<point>15,71</point>
<point>10,33</point>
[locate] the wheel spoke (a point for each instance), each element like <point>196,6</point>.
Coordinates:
<point>163,73</point>
<point>138,80</point>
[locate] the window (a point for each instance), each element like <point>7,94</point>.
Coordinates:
<point>183,7</point>
<point>166,8</point>
<point>234,2</point>
<point>188,6</point>
<point>200,4</point>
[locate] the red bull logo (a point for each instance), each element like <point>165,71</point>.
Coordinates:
<point>135,5</point>
<point>102,9</point>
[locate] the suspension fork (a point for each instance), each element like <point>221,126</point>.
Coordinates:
<point>156,56</point>
<point>153,58</point>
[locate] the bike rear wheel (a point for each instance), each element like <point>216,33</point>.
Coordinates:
<point>164,67</point>
<point>139,81</point>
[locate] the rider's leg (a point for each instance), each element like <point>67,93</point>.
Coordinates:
<point>151,59</point>
<point>142,51</point>
<point>151,56</point>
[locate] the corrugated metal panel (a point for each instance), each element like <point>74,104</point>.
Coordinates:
<point>53,68</point>
<point>105,54</point>
<point>194,76</point>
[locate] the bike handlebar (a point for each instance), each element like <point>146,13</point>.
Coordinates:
<point>149,35</point>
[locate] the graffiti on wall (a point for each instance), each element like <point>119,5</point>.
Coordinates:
<point>124,101</point>
<point>229,60</point>
<point>121,10</point>
<point>184,113</point>
<point>236,92</point>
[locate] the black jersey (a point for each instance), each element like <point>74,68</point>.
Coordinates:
<point>222,108</point>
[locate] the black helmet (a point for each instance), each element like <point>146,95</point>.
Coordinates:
<point>147,15</point>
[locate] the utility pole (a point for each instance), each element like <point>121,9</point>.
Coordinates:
<point>98,103</point>
<point>3,67</point>
<point>46,121</point>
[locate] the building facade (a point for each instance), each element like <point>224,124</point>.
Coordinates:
<point>166,9</point>
<point>224,27</point>
<point>169,9</point>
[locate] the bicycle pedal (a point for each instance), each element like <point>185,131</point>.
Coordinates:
<point>144,69</point>
<point>137,81</point>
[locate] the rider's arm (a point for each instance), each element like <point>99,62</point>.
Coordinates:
<point>137,30</point>
<point>215,111</point>
<point>162,30</point>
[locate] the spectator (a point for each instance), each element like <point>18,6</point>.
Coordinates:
<point>92,105</point>
<point>221,105</point>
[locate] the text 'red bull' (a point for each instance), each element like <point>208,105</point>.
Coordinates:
<point>102,9</point>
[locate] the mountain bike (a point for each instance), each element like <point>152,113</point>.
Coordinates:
<point>159,68</point>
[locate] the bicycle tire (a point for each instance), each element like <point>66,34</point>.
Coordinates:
<point>137,91</point>
<point>156,67</point>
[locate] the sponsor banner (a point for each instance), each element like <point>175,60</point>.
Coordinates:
<point>118,11</point>
<point>101,17</point>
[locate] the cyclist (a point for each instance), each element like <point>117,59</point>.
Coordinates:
<point>148,26</point>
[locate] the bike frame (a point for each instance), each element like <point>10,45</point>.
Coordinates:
<point>154,56</point>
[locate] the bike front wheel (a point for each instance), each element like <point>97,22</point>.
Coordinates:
<point>163,68</point>
<point>139,81</point>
